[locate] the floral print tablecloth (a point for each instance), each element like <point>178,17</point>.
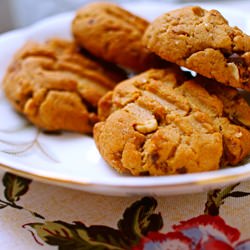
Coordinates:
<point>40,216</point>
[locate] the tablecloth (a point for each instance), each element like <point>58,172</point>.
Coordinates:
<point>41,216</point>
<point>35,215</point>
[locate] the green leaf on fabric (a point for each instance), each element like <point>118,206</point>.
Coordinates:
<point>79,237</point>
<point>102,236</point>
<point>15,187</point>
<point>139,219</point>
<point>216,198</point>
<point>238,194</point>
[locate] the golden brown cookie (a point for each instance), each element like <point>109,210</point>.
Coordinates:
<point>56,87</point>
<point>113,34</point>
<point>163,123</point>
<point>202,41</point>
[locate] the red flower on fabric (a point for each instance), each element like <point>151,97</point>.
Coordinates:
<point>204,232</point>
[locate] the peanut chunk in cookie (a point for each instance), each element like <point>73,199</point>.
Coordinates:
<point>202,41</point>
<point>173,125</point>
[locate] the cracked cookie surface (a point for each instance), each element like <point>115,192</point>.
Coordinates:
<point>114,34</point>
<point>202,41</point>
<point>162,122</point>
<point>56,87</point>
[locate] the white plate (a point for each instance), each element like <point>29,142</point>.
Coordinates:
<point>72,160</point>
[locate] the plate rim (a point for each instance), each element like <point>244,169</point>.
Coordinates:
<point>215,178</point>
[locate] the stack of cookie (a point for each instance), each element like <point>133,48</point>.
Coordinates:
<point>162,121</point>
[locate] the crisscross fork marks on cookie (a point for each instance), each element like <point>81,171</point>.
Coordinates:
<point>164,123</point>
<point>56,87</point>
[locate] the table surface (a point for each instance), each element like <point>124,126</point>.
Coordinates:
<point>40,216</point>
<point>35,215</point>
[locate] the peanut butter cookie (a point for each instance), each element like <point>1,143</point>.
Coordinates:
<point>56,87</point>
<point>113,34</point>
<point>162,123</point>
<point>202,41</point>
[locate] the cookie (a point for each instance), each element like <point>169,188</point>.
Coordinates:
<point>204,42</point>
<point>56,87</point>
<point>162,122</point>
<point>113,34</point>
